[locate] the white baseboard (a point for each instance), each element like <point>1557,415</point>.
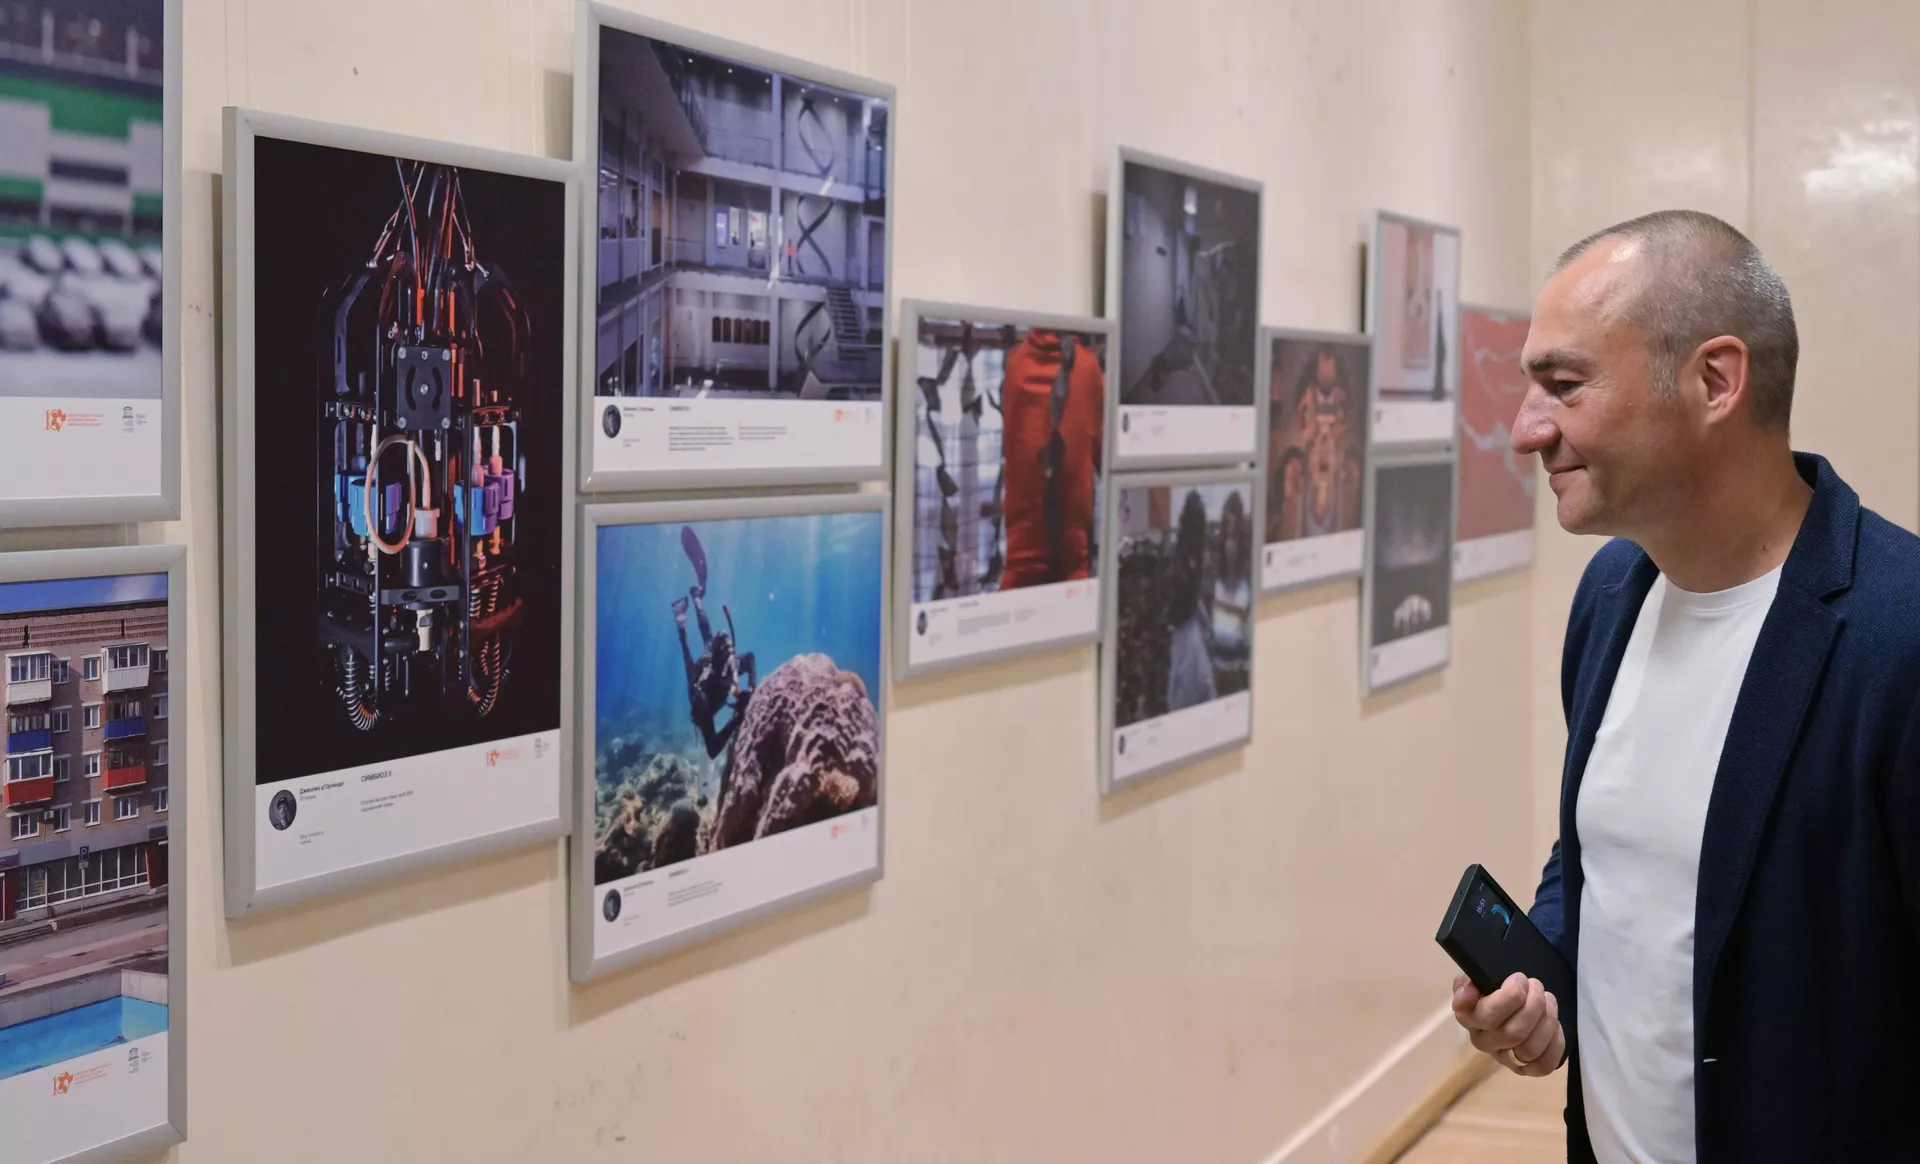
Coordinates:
<point>1403,1078</point>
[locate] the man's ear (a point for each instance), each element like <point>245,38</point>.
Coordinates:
<point>1723,363</point>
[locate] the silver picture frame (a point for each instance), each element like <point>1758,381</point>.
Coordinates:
<point>163,504</point>
<point>906,463</point>
<point>1370,325</point>
<point>1110,621</point>
<point>583,965</point>
<point>590,18</point>
<point>1112,302</point>
<point>243,896</point>
<point>1268,337</point>
<point>1381,461</point>
<point>171,560</point>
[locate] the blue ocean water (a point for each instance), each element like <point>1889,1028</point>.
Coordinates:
<point>794,585</point>
<point>43,1042</point>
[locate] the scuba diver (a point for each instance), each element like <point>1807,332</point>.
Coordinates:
<point>715,678</point>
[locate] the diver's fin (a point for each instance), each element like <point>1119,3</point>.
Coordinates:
<point>690,542</point>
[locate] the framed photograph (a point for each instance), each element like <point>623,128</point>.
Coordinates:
<point>1413,315</point>
<point>1315,409</point>
<point>739,264</point>
<point>1001,469</point>
<point>1177,665</point>
<point>398,520</point>
<point>732,721</point>
<point>1495,528</point>
<point>93,953</point>
<point>1406,598</point>
<point>1183,281</point>
<point>89,262</point>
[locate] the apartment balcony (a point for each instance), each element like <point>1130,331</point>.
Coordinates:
<point>126,727</point>
<point>20,743</point>
<point>20,793</point>
<point>31,691</point>
<point>124,678</point>
<point>126,776</point>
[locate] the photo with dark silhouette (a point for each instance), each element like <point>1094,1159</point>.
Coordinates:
<point>409,402</point>
<point>740,240</point>
<point>1413,550</point>
<point>1009,436</point>
<point>1184,635</point>
<point>737,682</point>
<point>1189,271</point>
<point>1317,437</point>
<point>82,183</point>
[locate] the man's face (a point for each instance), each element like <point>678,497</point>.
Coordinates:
<point>1617,452</point>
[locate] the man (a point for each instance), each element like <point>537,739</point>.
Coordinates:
<point>714,679</point>
<point>1737,880</point>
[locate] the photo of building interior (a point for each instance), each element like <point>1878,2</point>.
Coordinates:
<point>741,229</point>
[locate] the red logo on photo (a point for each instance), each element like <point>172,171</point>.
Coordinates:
<point>62,1082</point>
<point>493,757</point>
<point>56,418</point>
<point>496,755</point>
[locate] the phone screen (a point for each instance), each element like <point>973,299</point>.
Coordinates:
<point>1490,912</point>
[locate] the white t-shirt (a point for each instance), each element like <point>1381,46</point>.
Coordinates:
<point>1641,814</point>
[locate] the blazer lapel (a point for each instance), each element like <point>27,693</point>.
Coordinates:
<point>1782,678</point>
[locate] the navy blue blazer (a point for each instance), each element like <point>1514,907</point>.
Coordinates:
<point>1806,962</point>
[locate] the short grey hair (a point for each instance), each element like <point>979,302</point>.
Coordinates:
<point>1705,279</point>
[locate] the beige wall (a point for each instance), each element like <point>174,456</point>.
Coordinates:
<point>1192,971</point>
<point>1796,121</point>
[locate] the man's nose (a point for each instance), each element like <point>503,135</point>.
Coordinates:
<point>1533,428</point>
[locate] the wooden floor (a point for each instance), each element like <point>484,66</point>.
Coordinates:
<point>1506,1120</point>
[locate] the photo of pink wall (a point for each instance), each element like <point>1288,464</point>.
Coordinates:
<point>1496,486</point>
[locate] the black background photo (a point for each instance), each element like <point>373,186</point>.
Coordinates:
<point>318,212</point>
<point>1414,506</point>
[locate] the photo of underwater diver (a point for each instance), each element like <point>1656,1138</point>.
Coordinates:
<point>1189,287</point>
<point>1010,427</point>
<point>1317,434</point>
<point>1413,550</point>
<point>705,745</point>
<point>714,679</point>
<point>1186,598</point>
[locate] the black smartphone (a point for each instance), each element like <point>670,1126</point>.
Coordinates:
<point>1490,938</point>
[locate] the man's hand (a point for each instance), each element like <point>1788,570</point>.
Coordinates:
<point>1518,1024</point>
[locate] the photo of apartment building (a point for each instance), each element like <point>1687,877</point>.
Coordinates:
<point>741,235</point>
<point>85,791</point>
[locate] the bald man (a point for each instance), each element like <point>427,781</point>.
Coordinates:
<point>1737,879</point>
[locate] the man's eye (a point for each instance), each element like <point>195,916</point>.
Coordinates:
<point>1562,387</point>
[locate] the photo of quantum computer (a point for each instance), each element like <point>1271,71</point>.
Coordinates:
<point>407,337</point>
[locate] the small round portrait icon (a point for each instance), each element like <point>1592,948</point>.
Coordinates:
<point>920,623</point>
<point>610,420</point>
<point>281,810</point>
<point>610,908</point>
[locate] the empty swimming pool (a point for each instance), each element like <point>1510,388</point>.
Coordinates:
<point>42,1042</point>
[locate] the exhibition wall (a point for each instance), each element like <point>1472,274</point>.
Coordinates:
<point>1803,133</point>
<point>1232,962</point>
<point>1194,969</point>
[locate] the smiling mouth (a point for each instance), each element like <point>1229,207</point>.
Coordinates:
<point>1555,477</point>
